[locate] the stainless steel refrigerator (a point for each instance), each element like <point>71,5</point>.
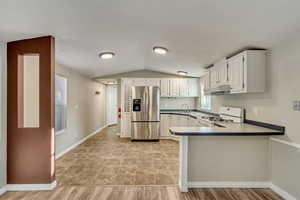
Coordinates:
<point>145,118</point>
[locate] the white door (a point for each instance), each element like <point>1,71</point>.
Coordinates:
<point>236,72</point>
<point>112,105</point>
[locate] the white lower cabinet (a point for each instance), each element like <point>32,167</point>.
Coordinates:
<point>164,125</point>
<point>171,120</point>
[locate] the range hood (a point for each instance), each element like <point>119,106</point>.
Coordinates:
<point>220,90</point>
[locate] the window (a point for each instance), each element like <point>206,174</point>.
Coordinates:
<point>60,104</point>
<point>205,100</point>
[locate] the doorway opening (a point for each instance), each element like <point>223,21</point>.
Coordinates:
<point>112,105</point>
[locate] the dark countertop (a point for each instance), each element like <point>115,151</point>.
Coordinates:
<point>196,114</point>
<point>237,130</point>
<point>249,128</point>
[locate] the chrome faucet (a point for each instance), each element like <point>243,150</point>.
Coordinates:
<point>186,108</point>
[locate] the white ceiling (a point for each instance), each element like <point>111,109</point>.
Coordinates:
<point>197,32</point>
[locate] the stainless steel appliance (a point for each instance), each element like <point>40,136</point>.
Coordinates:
<point>145,118</point>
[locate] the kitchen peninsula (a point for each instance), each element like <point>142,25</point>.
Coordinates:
<point>227,154</point>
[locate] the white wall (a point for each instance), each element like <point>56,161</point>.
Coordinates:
<point>275,106</point>
<point>86,110</point>
<point>2,114</point>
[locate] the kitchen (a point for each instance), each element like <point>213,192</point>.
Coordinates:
<point>227,137</point>
<point>153,99</point>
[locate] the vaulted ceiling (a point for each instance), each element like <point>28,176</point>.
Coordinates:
<point>196,32</point>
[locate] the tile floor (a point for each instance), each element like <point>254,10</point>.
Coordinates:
<point>105,159</point>
<point>106,167</point>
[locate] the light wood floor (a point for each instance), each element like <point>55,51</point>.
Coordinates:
<point>141,193</point>
<point>108,168</point>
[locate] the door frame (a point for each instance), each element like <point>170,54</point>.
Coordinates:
<point>3,115</point>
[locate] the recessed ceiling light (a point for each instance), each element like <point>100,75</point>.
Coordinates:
<point>160,50</point>
<point>183,73</point>
<point>106,55</point>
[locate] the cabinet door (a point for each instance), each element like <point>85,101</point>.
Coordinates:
<point>170,122</point>
<point>183,87</point>
<point>206,81</point>
<point>165,87</point>
<point>182,121</point>
<point>236,73</point>
<point>164,125</point>
<point>214,77</point>
<point>222,72</point>
<point>174,87</point>
<point>193,87</point>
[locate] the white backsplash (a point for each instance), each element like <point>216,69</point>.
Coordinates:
<point>177,103</point>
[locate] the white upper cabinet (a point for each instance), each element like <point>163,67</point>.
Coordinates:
<point>214,77</point>
<point>179,87</point>
<point>223,73</point>
<point>174,87</point>
<point>206,81</point>
<point>219,74</point>
<point>165,87</point>
<point>236,71</point>
<point>183,87</point>
<point>247,71</point>
<point>193,87</point>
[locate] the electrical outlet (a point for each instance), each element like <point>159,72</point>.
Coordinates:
<point>296,105</point>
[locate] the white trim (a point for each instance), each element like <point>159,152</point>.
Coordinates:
<point>3,114</point>
<point>286,142</point>
<point>30,187</point>
<point>2,190</point>
<point>285,195</point>
<point>60,132</point>
<point>112,124</point>
<point>60,154</point>
<point>228,184</point>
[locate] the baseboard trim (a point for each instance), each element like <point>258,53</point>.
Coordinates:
<point>30,187</point>
<point>2,190</point>
<point>285,195</point>
<point>286,142</point>
<point>225,184</point>
<point>60,154</point>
